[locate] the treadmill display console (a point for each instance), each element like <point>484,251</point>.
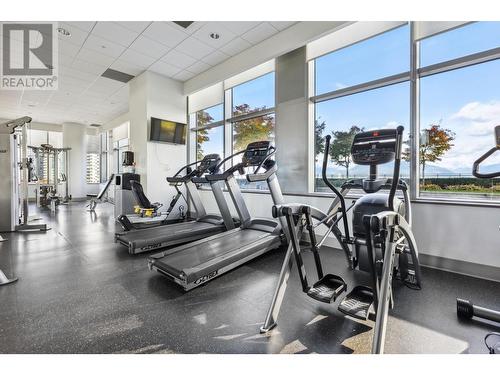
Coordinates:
<point>256,152</point>
<point>208,164</point>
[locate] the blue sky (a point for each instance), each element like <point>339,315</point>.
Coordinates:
<point>466,100</point>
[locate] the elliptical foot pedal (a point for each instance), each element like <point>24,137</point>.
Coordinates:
<point>327,289</point>
<point>359,303</point>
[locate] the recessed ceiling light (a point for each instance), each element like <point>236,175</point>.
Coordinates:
<point>63,31</point>
<point>214,36</point>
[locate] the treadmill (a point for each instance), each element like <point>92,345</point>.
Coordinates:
<point>196,263</point>
<point>205,225</point>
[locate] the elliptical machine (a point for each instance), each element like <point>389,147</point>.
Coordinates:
<point>465,308</point>
<point>382,243</point>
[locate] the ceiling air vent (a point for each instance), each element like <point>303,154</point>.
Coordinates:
<point>117,76</point>
<point>95,125</point>
<point>184,24</point>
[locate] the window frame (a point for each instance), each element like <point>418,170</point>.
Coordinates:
<point>413,76</point>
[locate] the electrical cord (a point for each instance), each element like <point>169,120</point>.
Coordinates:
<point>496,345</point>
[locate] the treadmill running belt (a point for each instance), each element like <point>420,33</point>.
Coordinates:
<point>154,238</point>
<point>196,259</point>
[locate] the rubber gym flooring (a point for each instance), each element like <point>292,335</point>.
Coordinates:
<point>79,292</point>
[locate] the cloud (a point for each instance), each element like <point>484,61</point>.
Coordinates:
<point>479,118</point>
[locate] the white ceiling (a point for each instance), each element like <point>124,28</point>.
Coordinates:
<point>131,47</point>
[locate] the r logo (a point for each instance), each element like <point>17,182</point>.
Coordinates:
<point>29,56</point>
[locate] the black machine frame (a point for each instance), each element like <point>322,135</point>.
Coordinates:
<point>387,249</point>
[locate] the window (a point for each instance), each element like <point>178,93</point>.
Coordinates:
<point>253,96</point>
<point>381,56</point>
<point>253,118</point>
<point>210,131</point>
<point>386,107</point>
<point>103,162</point>
<point>118,148</point>
<point>462,41</point>
<point>459,108</point>
<point>93,168</point>
<point>343,113</point>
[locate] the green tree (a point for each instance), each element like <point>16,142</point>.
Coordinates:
<point>252,130</point>
<point>340,147</point>
<point>202,118</point>
<point>438,142</point>
<point>319,140</point>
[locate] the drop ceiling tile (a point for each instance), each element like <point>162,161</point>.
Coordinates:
<point>165,34</point>
<point>184,75</point>
<point>240,27</point>
<point>87,67</point>
<point>198,67</point>
<point>94,57</point>
<point>126,67</point>
<point>77,36</point>
<point>137,26</point>
<point>115,33</point>
<point>103,46</point>
<point>259,33</point>
<point>194,48</point>
<point>235,46</point>
<point>282,25</point>
<point>82,25</point>
<point>65,61</point>
<point>75,73</point>
<point>190,29</point>
<point>66,48</point>
<point>138,59</point>
<point>149,47</point>
<point>178,59</point>
<point>165,69</point>
<point>225,35</point>
<point>215,58</point>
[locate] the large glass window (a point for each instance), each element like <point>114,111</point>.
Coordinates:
<point>104,148</point>
<point>381,56</point>
<point>462,41</point>
<point>457,105</point>
<point>254,95</point>
<point>459,110</point>
<point>386,105</point>
<point>253,118</point>
<point>93,174</point>
<point>343,117</point>
<point>210,131</point>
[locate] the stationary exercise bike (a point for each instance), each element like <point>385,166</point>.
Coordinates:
<point>382,243</point>
<point>465,308</point>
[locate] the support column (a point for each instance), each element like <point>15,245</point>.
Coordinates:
<point>153,95</point>
<point>292,132</point>
<point>75,137</point>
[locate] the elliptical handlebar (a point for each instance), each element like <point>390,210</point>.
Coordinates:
<point>333,188</point>
<point>475,166</point>
<point>397,165</point>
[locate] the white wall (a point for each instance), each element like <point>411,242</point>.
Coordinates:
<point>166,101</point>
<point>153,95</point>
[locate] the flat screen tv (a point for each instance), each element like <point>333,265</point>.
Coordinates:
<point>167,131</point>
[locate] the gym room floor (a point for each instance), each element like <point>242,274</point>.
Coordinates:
<point>79,292</point>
